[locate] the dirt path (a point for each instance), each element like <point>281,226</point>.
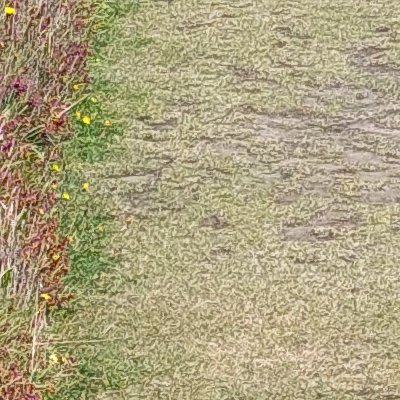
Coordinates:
<point>262,179</point>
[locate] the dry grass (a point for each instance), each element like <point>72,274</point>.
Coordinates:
<point>43,51</point>
<point>261,179</point>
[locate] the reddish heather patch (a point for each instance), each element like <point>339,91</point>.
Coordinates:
<point>45,49</point>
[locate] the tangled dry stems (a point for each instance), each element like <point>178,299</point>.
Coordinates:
<point>43,53</point>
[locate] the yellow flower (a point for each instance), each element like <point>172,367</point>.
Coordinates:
<point>66,196</point>
<point>56,257</point>
<point>53,359</point>
<point>9,10</point>
<point>85,186</point>
<point>41,211</point>
<point>55,167</point>
<point>94,100</point>
<point>54,186</point>
<point>76,86</point>
<point>86,120</point>
<point>100,228</point>
<point>107,122</point>
<point>78,114</point>
<point>45,296</point>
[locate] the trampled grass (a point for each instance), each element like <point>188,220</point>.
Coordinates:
<point>257,200</point>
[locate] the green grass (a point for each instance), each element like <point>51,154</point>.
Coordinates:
<point>259,165</point>
<point>86,218</point>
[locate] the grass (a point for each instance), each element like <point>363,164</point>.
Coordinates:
<point>260,175</point>
<point>251,248</point>
<point>42,51</point>
<point>86,219</point>
<point>38,114</point>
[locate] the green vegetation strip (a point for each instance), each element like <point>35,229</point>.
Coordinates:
<point>86,220</point>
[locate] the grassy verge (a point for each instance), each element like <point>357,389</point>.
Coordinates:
<point>78,370</point>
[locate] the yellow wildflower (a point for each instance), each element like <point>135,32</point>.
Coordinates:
<point>78,114</point>
<point>41,211</point>
<point>55,167</point>
<point>9,10</point>
<point>56,257</point>
<point>107,122</point>
<point>85,186</point>
<point>100,228</point>
<point>45,296</point>
<point>86,120</point>
<point>66,196</point>
<point>93,99</point>
<point>53,359</point>
<point>76,86</point>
